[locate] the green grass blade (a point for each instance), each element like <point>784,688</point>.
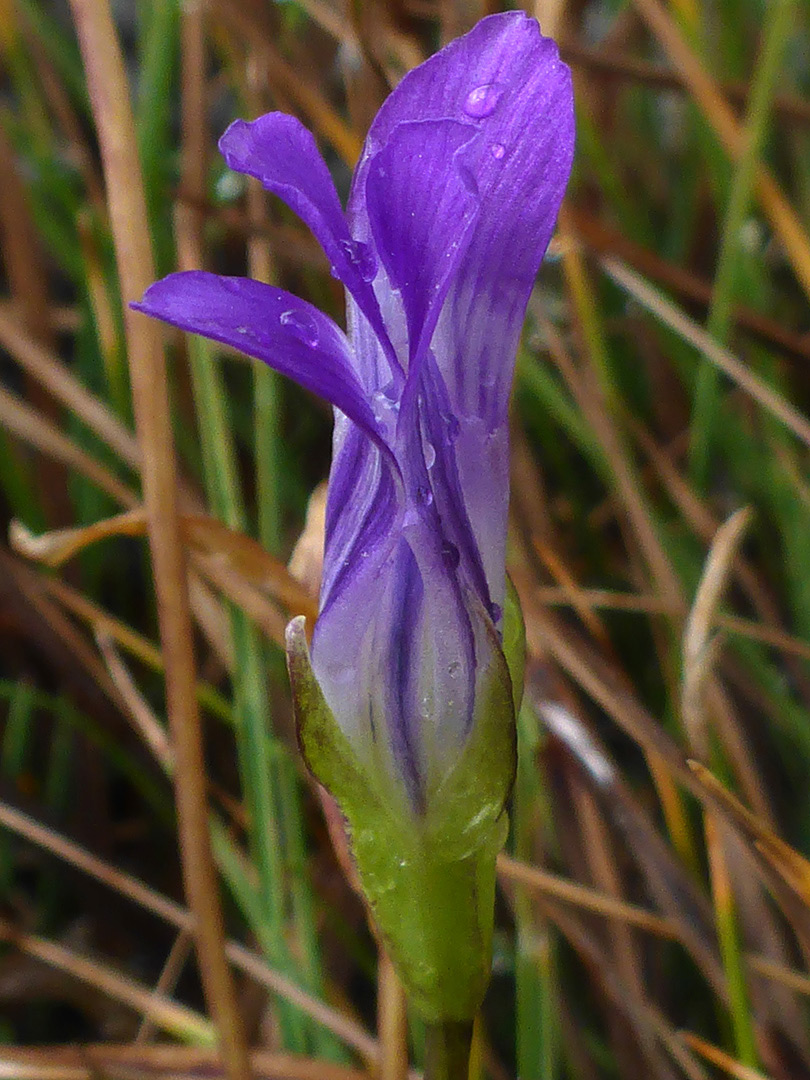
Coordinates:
<point>777,31</point>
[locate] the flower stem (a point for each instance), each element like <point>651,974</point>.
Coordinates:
<point>447,1050</point>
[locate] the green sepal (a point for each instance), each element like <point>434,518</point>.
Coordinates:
<point>429,878</point>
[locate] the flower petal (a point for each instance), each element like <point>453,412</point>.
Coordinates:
<point>401,680</point>
<point>506,80</point>
<point>472,534</point>
<point>282,154</point>
<point>421,205</point>
<point>288,334</point>
<point>361,510</point>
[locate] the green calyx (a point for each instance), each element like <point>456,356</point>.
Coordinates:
<point>429,878</point>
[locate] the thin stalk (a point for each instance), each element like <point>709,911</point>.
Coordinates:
<point>783,218</point>
<point>778,27</point>
<point>537,1026</point>
<point>110,98</point>
<point>728,933</point>
<point>153,120</point>
<point>250,691</point>
<point>601,408</point>
<point>224,495</point>
<point>266,383</point>
<point>269,465</point>
<point>303,907</point>
<point>267,412</point>
<point>100,301</point>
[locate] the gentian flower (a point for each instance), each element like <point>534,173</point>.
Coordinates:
<point>406,713</point>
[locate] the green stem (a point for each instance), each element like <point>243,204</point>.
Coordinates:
<point>447,1050</point>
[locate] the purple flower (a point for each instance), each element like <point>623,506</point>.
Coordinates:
<point>451,209</point>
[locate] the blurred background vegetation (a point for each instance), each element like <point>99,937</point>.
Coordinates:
<point>654,912</point>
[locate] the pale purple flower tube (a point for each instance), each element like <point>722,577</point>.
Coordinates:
<point>451,209</point>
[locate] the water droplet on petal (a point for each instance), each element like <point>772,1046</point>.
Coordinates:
<point>450,555</point>
<point>482,101</point>
<point>302,324</point>
<point>497,150</point>
<point>454,667</point>
<point>383,406</point>
<point>241,329</point>
<point>361,257</point>
<point>424,496</point>
<point>430,455</point>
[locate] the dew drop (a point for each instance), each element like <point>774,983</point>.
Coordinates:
<point>424,496</point>
<point>361,257</point>
<point>241,329</point>
<point>482,101</point>
<point>302,324</point>
<point>497,150</point>
<point>383,406</point>
<point>430,455</point>
<point>453,668</point>
<point>450,555</point>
